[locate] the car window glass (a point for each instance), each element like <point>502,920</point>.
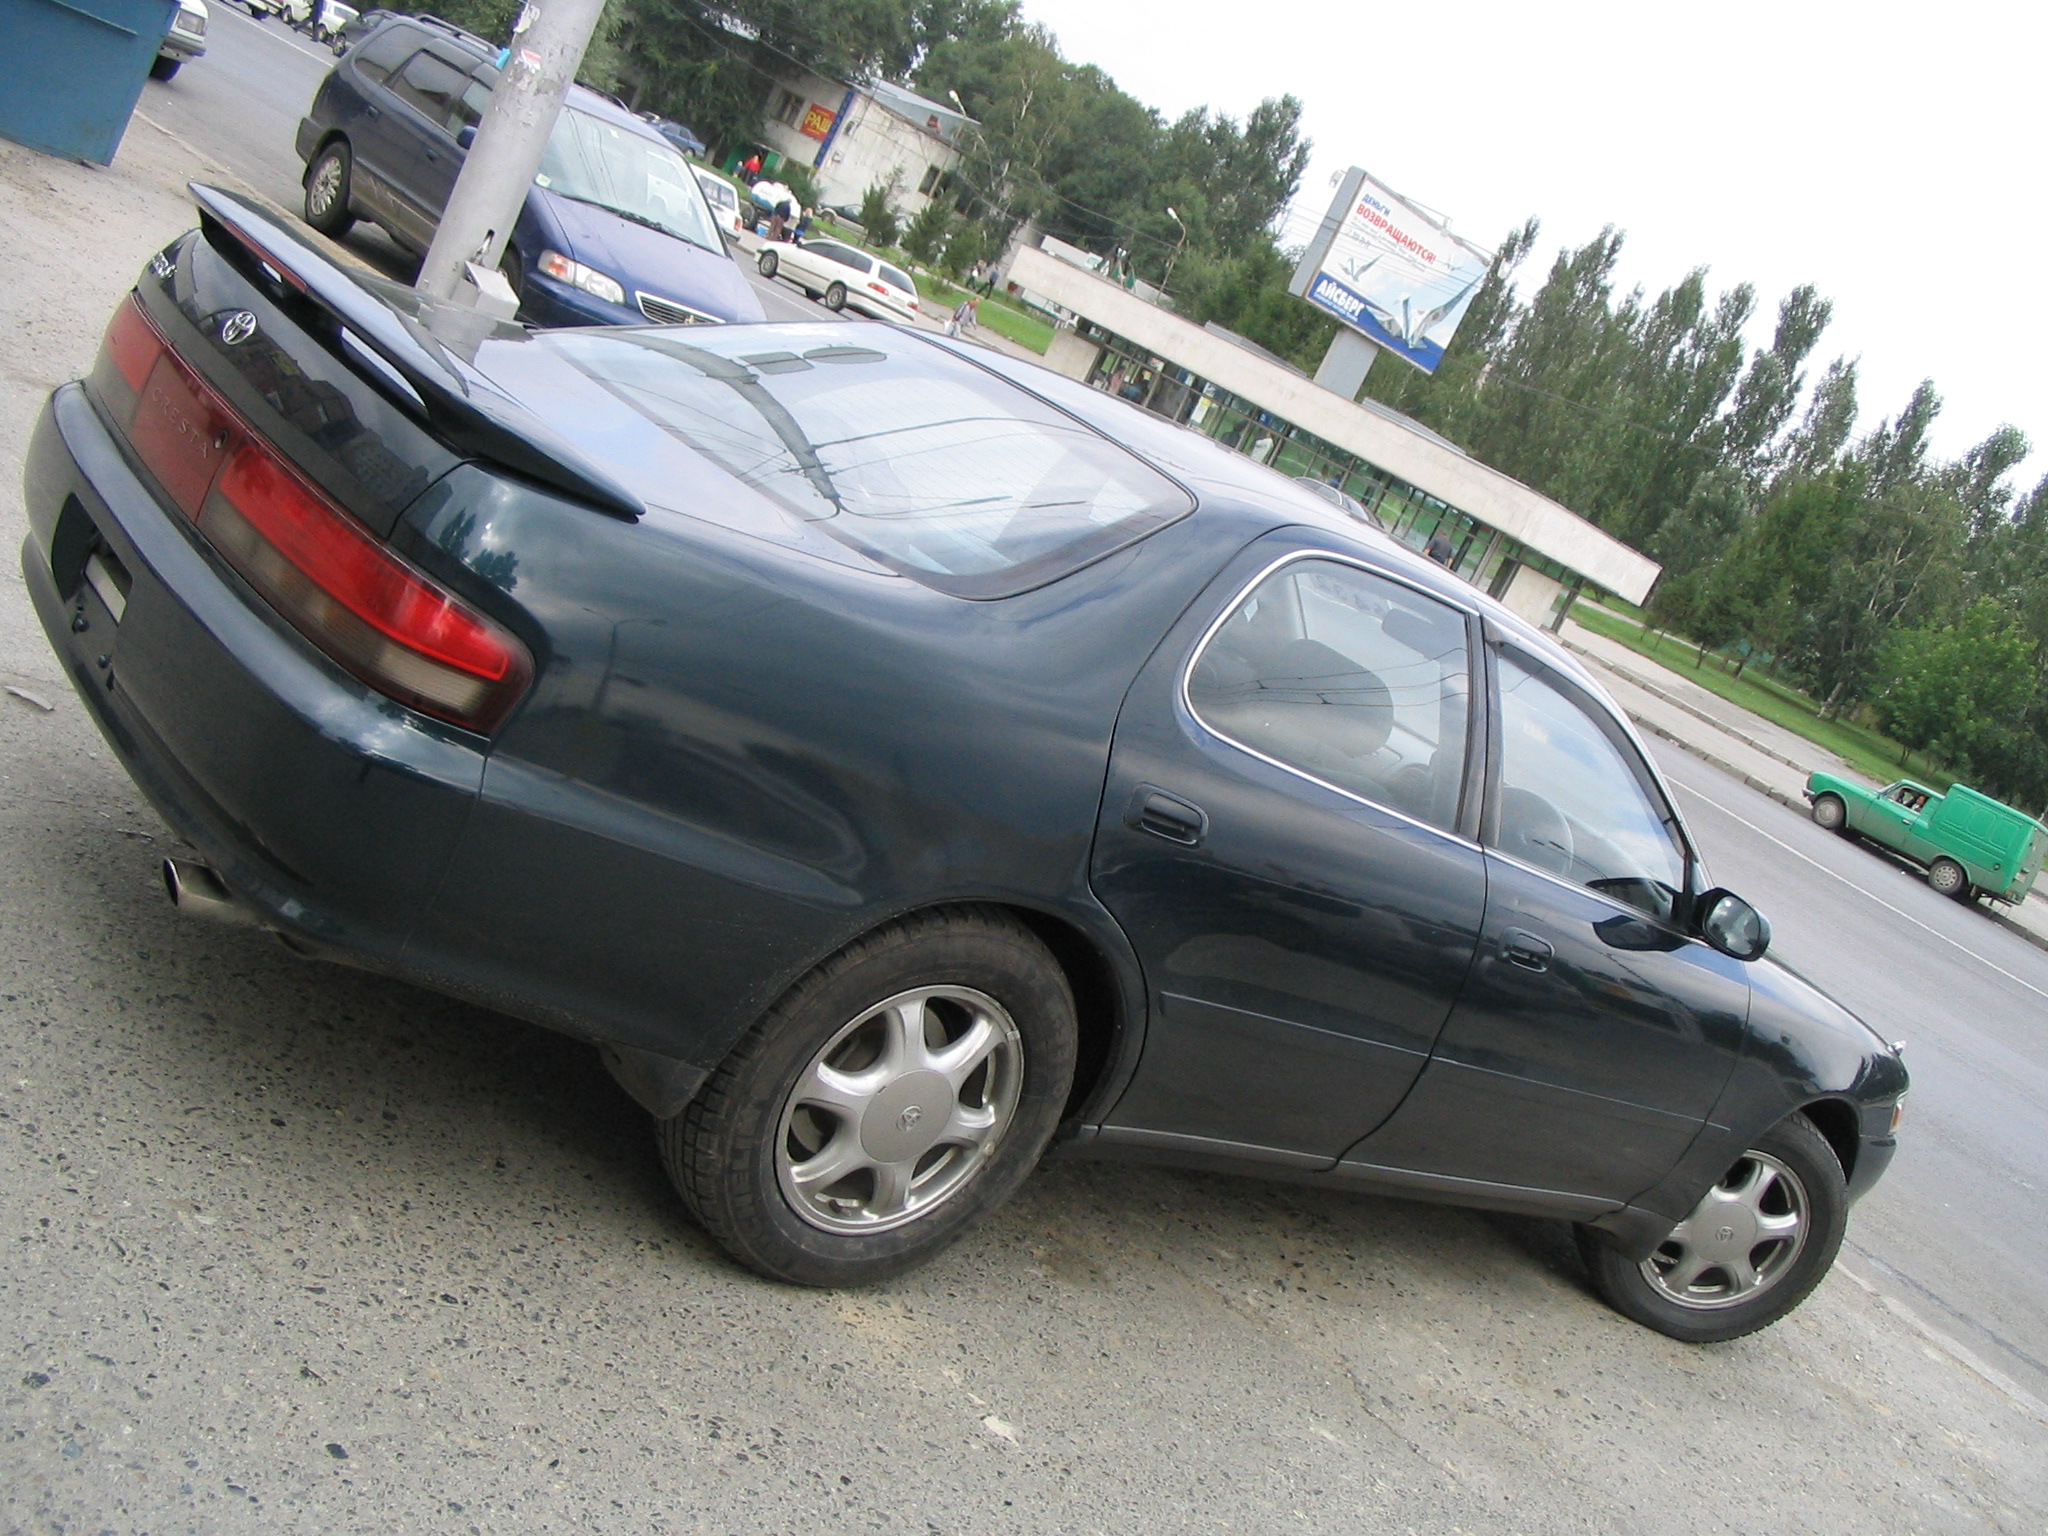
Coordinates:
<point>930,464</point>
<point>896,279</point>
<point>432,84</point>
<point>1573,804</point>
<point>832,250</point>
<point>1348,677</point>
<point>470,107</point>
<point>382,53</point>
<point>641,179</point>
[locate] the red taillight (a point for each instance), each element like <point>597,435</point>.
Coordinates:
<point>182,431</point>
<point>352,597</point>
<point>328,576</point>
<point>132,343</point>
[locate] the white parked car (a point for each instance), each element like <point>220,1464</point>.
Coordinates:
<point>843,277</point>
<point>724,199</point>
<point>185,40</point>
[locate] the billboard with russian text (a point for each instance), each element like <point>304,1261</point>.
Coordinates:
<point>1390,271</point>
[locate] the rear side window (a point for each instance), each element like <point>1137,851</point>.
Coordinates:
<point>384,52</point>
<point>896,279</point>
<point>1350,678</point>
<point>470,107</point>
<point>832,250</point>
<point>915,457</point>
<point>433,85</point>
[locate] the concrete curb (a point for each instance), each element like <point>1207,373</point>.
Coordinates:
<point>1657,690</point>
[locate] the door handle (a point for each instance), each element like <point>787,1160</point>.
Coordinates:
<point>1168,816</point>
<point>1519,947</point>
<point>373,113</point>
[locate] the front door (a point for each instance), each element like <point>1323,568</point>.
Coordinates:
<point>1280,839</point>
<point>1594,1034</point>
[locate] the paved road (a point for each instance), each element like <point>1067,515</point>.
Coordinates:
<point>1957,1229</point>
<point>289,1248</point>
<point>240,105</point>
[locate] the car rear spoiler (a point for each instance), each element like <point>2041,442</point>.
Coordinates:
<point>418,370</point>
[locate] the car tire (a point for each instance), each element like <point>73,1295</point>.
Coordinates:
<point>514,272</point>
<point>327,191</point>
<point>835,297</point>
<point>161,68</point>
<point>1830,813</point>
<point>934,1055</point>
<point>766,264</point>
<point>1948,878</point>
<point>1788,1193</point>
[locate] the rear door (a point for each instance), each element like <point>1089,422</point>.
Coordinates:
<point>1281,840</point>
<point>429,91</point>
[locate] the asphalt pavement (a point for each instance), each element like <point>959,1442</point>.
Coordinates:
<point>285,1247</point>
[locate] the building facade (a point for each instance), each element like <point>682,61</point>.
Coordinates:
<point>856,137</point>
<point>1531,552</point>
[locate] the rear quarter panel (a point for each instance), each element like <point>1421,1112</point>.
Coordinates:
<point>737,757</point>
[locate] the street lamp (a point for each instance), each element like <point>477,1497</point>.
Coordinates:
<point>1183,240</point>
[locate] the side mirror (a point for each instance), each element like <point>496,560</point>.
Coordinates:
<point>466,137</point>
<point>1733,926</point>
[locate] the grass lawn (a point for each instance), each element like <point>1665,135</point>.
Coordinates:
<point>998,313</point>
<point>1867,751</point>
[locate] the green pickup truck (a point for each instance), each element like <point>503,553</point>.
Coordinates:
<point>1970,844</point>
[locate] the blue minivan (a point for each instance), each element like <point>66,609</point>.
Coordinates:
<point>615,230</point>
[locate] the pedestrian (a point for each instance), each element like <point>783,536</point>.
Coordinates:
<point>963,316</point>
<point>752,167</point>
<point>976,275</point>
<point>778,221</point>
<point>1440,549</point>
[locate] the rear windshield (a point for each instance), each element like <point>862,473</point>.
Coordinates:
<point>915,457</point>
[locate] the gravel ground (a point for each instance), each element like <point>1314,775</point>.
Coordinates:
<point>292,1248</point>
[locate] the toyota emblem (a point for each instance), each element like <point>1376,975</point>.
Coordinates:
<point>909,1117</point>
<point>238,327</point>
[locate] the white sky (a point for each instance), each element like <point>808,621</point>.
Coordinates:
<point>1892,155</point>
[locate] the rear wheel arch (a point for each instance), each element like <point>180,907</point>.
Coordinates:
<point>332,137</point>
<point>1100,1011</point>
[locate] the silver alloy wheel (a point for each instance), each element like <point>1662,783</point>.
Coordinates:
<point>1947,877</point>
<point>325,186</point>
<point>900,1110</point>
<point>1741,1239</point>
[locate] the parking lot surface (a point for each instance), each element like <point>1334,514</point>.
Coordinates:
<point>285,1247</point>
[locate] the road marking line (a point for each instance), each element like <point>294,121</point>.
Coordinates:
<point>1835,875</point>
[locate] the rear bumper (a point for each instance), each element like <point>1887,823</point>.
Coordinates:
<point>328,808</point>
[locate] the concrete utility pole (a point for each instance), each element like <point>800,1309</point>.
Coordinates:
<point>547,47</point>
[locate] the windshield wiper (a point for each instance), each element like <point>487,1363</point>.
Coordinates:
<point>625,213</point>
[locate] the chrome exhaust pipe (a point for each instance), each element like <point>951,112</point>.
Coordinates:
<point>199,891</point>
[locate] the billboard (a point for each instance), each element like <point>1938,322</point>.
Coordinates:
<point>1390,271</point>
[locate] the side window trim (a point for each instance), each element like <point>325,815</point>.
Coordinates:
<point>1631,757</point>
<point>1479,757</point>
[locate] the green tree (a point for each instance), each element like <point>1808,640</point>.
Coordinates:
<point>877,217</point>
<point>1958,688</point>
<point>926,236</point>
<point>965,245</point>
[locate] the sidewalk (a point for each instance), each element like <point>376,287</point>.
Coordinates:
<point>1768,758</point>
